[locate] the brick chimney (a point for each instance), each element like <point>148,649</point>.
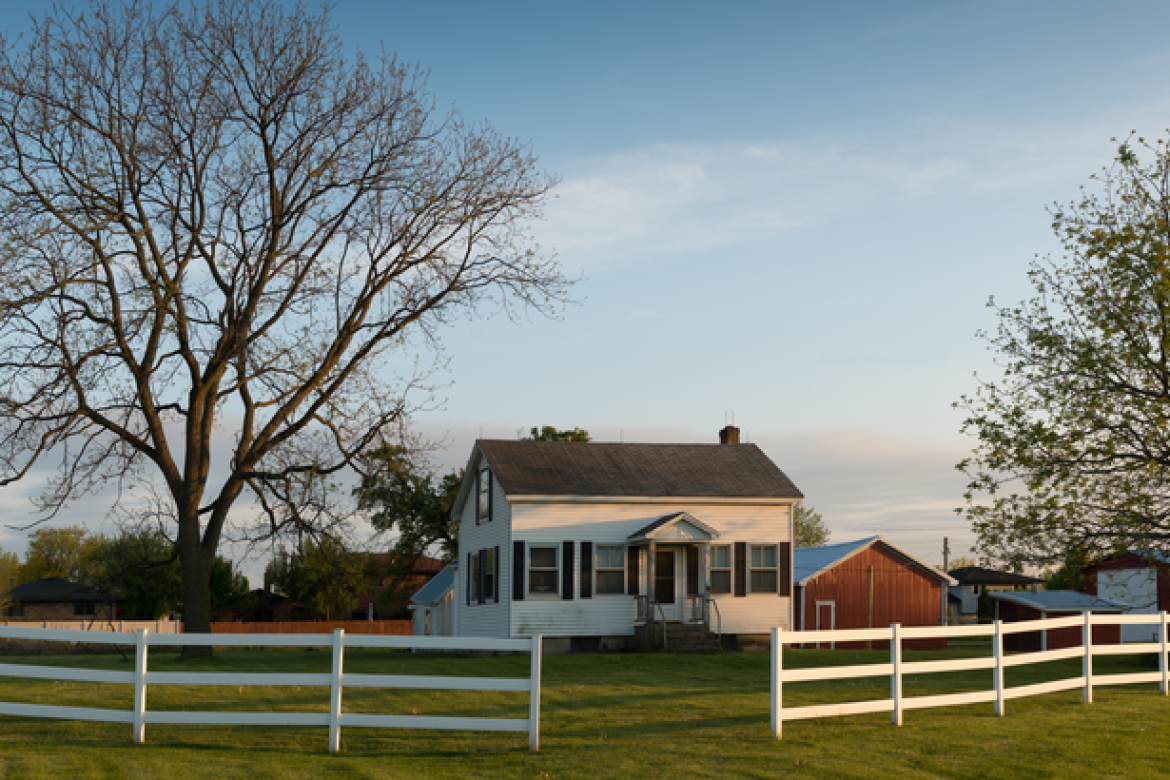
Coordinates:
<point>729,435</point>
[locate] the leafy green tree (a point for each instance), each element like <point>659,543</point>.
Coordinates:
<point>229,587</point>
<point>1070,575</point>
<point>404,500</point>
<point>810,529</point>
<point>141,566</point>
<point>323,576</point>
<point>9,567</point>
<point>1073,441</point>
<point>66,552</point>
<point>212,214</point>
<point>549,433</point>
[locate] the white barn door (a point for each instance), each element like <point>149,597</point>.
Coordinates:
<point>1137,588</point>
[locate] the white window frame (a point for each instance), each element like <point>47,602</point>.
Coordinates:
<point>598,569</point>
<point>556,589</point>
<point>729,568</point>
<point>752,568</point>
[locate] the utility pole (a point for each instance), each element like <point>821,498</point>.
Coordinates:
<point>946,555</point>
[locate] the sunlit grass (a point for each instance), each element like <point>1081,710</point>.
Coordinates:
<point>624,715</point>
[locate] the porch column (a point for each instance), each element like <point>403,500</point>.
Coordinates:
<point>705,579</point>
<point>650,550</point>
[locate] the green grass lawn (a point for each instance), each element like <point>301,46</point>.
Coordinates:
<point>622,715</point>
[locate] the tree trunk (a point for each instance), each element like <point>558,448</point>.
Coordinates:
<point>196,593</point>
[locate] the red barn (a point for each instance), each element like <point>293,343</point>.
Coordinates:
<point>1140,581</point>
<point>1013,607</point>
<point>869,583</point>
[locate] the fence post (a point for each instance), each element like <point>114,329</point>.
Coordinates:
<point>896,678</point>
<point>1162,667</point>
<point>534,694</point>
<point>335,692</point>
<point>140,686</point>
<point>1087,661</point>
<point>997,651</point>
<point>777,665</point>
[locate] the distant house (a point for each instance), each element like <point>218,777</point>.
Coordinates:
<point>868,583</point>
<point>375,603</point>
<point>1015,606</point>
<point>57,599</point>
<point>1140,581</point>
<point>262,606</point>
<point>973,581</point>
<point>594,544</point>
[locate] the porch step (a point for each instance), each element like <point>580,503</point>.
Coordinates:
<point>690,638</point>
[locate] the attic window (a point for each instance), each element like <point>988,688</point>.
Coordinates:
<point>483,507</point>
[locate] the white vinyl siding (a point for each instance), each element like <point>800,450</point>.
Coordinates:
<point>490,618</point>
<point>612,524</point>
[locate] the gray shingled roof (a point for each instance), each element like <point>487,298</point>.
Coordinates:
<point>975,575</point>
<point>558,468</point>
<point>55,589</point>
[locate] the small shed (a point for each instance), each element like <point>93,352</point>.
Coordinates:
<point>868,583</point>
<point>974,580</point>
<point>1014,606</point>
<point>433,605</point>
<point>1140,580</point>
<point>57,599</point>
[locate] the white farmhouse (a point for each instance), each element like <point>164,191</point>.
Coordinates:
<point>602,546</point>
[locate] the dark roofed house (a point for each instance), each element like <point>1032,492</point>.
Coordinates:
<point>612,546</point>
<point>974,580</point>
<point>56,599</point>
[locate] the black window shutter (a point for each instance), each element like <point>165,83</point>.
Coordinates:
<point>632,571</point>
<point>741,568</point>
<point>491,494</point>
<point>692,571</point>
<point>586,570</point>
<point>482,577</point>
<point>496,568</point>
<point>478,488</point>
<point>470,557</point>
<point>784,555</point>
<point>518,557</point>
<point>567,571</point>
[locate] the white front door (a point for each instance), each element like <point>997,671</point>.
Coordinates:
<point>667,582</point>
<point>1137,588</point>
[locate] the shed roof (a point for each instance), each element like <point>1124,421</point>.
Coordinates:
<point>56,589</point>
<point>438,587</point>
<point>1059,601</point>
<point>561,468</point>
<point>810,562</point>
<point>1144,558</point>
<point>976,575</point>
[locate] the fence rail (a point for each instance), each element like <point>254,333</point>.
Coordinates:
<point>336,680</point>
<point>999,693</point>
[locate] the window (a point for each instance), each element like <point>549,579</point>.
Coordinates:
<point>84,609</point>
<point>473,578</point>
<point>764,575</point>
<point>483,508</point>
<point>489,574</point>
<point>611,569</point>
<point>542,571</point>
<point>14,610</point>
<point>721,569</point>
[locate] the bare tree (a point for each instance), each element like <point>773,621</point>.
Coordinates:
<point>211,219</point>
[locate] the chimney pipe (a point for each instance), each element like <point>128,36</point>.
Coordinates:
<point>729,435</point>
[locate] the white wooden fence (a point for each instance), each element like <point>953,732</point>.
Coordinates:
<point>336,680</point>
<point>896,669</point>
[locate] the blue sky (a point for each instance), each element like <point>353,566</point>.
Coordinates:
<point>792,211</point>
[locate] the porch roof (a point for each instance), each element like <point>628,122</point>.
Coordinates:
<point>677,526</point>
